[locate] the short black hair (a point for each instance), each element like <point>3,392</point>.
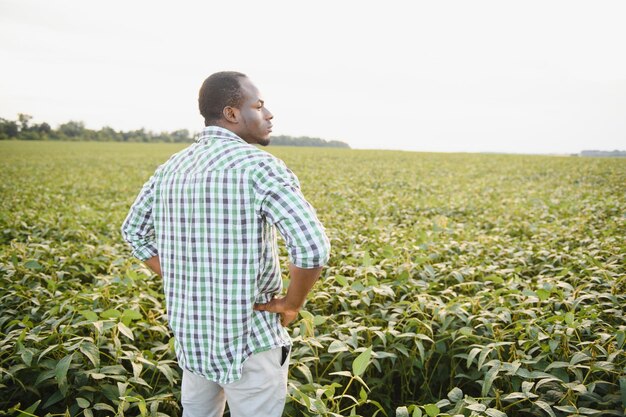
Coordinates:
<point>219,90</point>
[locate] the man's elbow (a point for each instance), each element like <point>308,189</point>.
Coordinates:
<point>325,251</point>
<point>315,255</point>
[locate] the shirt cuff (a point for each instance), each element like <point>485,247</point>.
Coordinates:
<point>310,263</point>
<point>145,252</point>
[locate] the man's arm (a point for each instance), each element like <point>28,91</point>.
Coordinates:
<point>138,227</point>
<point>302,280</point>
<point>154,264</point>
<point>283,205</point>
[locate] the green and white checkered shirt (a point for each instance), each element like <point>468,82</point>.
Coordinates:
<point>211,213</point>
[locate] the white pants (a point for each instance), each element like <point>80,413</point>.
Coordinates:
<point>260,392</point>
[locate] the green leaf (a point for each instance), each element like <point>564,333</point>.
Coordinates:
<point>566,408</point>
<point>142,408</point>
<point>470,358</point>
<point>33,265</point>
<point>527,386</point>
<point>542,294</point>
<point>402,412</point>
<point>579,357</point>
<point>431,409</point>
<point>137,368</point>
<point>492,412</point>
<point>545,381</point>
<point>361,362</point>
<point>89,315</point>
<point>27,356</point>
<point>588,411</point>
<point>455,395</point>
<point>424,337</point>
<point>44,376</point>
<point>545,407</point>
<point>515,396</point>
<point>113,370</point>
<point>125,330</point>
<point>121,388</point>
<point>496,279</point>
<point>30,411</point>
<point>168,372</point>
<point>103,406</point>
<point>490,376</point>
<point>603,366</point>
<point>553,344</point>
<point>417,412</point>
<point>82,402</point>
<point>129,315</point>
<point>110,314</point>
<point>402,349</point>
<point>139,381</point>
<point>304,370</point>
<point>347,374</point>
<point>329,390</point>
<point>443,403</point>
<point>367,261</point>
<point>337,346</point>
<point>53,399</point>
<point>388,251</point>
<point>60,372</point>
<point>91,352</point>
<point>341,280</point>
<point>306,315</point>
<point>420,348</point>
<point>466,331</point>
<point>99,326</point>
<point>363,395</point>
<point>476,407</point>
<point>557,364</point>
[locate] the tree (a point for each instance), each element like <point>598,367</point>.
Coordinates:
<point>8,129</point>
<point>181,135</point>
<point>24,129</point>
<point>24,119</point>
<point>108,133</point>
<point>72,129</point>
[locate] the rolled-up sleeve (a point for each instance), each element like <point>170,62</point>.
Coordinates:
<point>138,228</point>
<point>282,204</point>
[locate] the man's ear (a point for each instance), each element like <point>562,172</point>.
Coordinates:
<point>231,114</point>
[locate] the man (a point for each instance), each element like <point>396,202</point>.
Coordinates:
<point>206,222</point>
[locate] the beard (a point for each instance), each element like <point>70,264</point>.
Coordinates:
<point>264,141</point>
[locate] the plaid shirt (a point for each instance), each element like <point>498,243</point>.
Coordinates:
<point>211,213</point>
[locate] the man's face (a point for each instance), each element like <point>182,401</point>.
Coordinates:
<point>255,124</point>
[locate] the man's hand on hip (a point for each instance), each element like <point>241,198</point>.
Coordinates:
<point>302,281</point>
<point>278,305</point>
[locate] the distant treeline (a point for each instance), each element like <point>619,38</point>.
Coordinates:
<point>604,153</point>
<point>24,129</point>
<point>282,140</point>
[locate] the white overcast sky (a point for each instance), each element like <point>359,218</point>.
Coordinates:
<point>496,76</point>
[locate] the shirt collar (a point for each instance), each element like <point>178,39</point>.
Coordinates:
<point>217,132</point>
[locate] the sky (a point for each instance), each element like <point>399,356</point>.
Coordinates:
<point>446,76</point>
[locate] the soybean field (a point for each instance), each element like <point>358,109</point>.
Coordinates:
<point>459,285</point>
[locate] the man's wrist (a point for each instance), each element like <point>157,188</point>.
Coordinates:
<point>292,305</point>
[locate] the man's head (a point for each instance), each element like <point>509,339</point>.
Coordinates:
<point>230,100</point>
